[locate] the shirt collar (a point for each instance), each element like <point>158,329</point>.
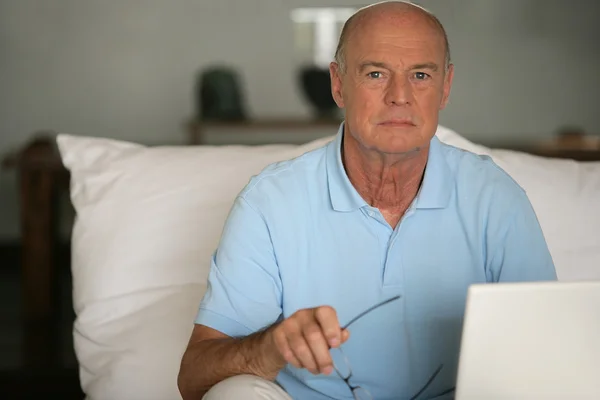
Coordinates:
<point>438,181</point>
<point>435,191</point>
<point>342,193</point>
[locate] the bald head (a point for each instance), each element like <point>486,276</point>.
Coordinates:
<point>367,16</point>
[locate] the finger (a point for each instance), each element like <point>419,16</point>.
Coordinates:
<point>283,346</point>
<point>319,348</point>
<point>302,352</point>
<point>327,318</point>
<point>297,343</point>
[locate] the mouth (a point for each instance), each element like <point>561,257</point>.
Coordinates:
<point>397,123</point>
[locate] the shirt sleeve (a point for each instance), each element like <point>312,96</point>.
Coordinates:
<point>244,289</point>
<point>517,249</point>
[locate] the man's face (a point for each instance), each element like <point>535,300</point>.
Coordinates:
<point>394,85</point>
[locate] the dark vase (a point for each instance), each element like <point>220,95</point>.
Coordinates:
<point>219,95</point>
<point>316,85</point>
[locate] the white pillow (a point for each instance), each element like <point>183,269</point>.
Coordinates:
<point>148,220</point>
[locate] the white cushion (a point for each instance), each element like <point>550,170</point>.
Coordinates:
<point>148,220</point>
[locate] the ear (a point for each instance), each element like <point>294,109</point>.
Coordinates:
<point>447,86</point>
<point>336,84</point>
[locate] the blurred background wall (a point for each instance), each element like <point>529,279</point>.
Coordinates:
<point>126,69</point>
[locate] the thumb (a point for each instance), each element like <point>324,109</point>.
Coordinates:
<point>345,335</point>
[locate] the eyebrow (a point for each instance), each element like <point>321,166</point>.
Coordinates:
<point>429,65</point>
<point>367,64</point>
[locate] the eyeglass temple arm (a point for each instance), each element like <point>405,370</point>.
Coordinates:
<point>431,378</point>
<point>369,310</point>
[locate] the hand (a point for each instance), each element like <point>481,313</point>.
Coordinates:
<point>304,338</point>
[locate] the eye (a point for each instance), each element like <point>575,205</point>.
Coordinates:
<point>421,76</point>
<point>374,75</point>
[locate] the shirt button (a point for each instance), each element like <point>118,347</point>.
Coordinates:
<point>370,213</point>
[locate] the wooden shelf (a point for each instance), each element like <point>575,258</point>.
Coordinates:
<point>582,148</point>
<point>196,128</point>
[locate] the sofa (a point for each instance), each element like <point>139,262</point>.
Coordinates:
<point>149,218</point>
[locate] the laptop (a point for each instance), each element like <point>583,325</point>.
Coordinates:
<point>535,340</point>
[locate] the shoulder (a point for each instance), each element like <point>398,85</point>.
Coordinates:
<point>480,176</point>
<point>288,179</point>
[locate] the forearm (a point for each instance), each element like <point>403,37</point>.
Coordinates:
<point>208,362</point>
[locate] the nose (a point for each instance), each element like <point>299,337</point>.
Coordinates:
<point>399,91</point>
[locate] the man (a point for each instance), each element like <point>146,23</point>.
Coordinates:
<point>384,211</point>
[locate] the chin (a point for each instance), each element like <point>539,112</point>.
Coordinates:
<point>390,139</point>
<point>397,140</point>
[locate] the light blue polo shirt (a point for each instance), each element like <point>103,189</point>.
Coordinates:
<point>299,235</point>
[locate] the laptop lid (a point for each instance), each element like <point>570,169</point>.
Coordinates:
<point>535,340</point>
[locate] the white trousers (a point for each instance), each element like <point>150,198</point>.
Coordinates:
<point>246,387</point>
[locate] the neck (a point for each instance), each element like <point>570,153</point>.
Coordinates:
<point>389,182</point>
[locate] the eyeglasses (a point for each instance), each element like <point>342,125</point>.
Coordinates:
<point>342,365</point>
